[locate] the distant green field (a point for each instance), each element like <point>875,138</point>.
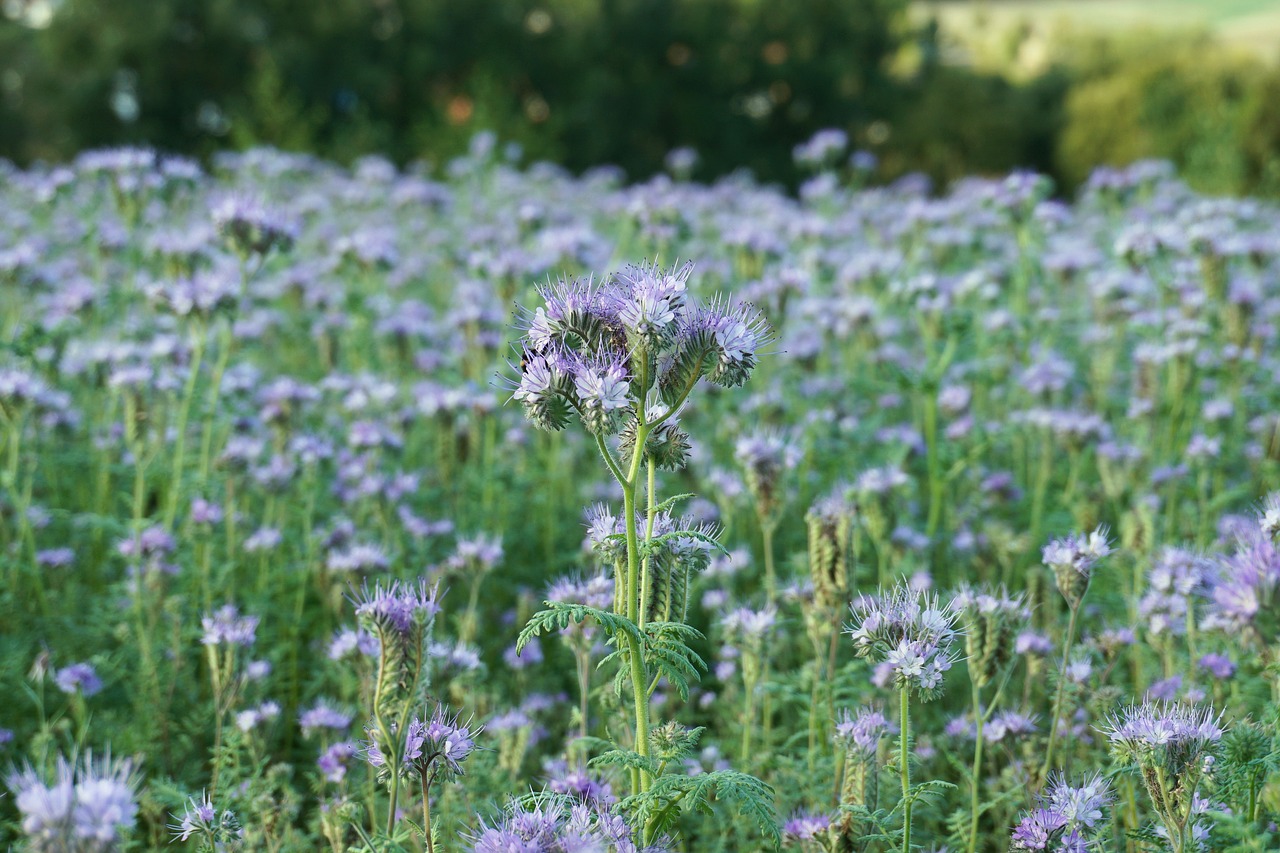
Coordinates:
<point>983,26</point>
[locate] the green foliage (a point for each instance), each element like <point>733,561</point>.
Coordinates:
<point>1209,111</point>
<point>613,81</point>
<point>560,615</point>
<point>658,808</point>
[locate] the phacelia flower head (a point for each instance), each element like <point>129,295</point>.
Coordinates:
<point>1174,736</point>
<point>225,626</point>
<point>1269,516</point>
<point>250,227</point>
<point>432,748</point>
<point>830,523</point>
<point>1072,560</point>
<point>859,734</point>
<point>1066,816</point>
<point>992,621</point>
<point>910,634</point>
<point>79,678</point>
<point>1246,590</point>
<point>89,805</point>
<point>203,820</point>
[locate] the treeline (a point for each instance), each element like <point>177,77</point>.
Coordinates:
<point>586,82</point>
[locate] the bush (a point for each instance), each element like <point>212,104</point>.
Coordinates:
<point>1209,111</point>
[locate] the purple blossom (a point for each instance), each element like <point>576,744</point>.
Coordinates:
<point>79,677</point>
<point>225,626</point>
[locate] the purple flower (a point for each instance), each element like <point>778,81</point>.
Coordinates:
<point>1219,666</point>
<point>1065,816</point>
<point>335,760</point>
<point>805,826</point>
<point>397,607</point>
<point>90,801</point>
<point>1171,735</point>
<point>860,733</point>
<point>79,677</point>
<point>1072,560</point>
<point>910,633</point>
<point>226,626</point>
<point>322,716</point>
<point>435,747</point>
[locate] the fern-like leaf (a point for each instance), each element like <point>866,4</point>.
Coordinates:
<point>559,615</point>
<point>658,808</point>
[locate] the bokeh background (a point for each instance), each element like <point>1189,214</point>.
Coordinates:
<point>946,88</point>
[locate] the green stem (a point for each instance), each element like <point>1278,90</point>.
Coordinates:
<point>184,414</point>
<point>646,587</point>
<point>1057,701</point>
<point>770,574</point>
<point>981,719</point>
<point>932,464</point>
<point>904,768</point>
<point>426,814</point>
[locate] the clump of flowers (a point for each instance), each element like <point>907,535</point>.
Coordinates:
<point>909,634</point>
<point>88,806</point>
<point>558,824</point>
<point>215,829</point>
<point>857,739</point>
<point>624,355</point>
<point>1067,817</point>
<point>1172,744</point>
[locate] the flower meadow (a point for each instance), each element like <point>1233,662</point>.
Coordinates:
<point>489,508</point>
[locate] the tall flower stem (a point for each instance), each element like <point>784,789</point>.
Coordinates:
<point>184,414</point>
<point>632,599</point>
<point>904,768</point>
<point>1057,700</point>
<point>426,814</point>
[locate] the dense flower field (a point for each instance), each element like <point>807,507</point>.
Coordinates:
<point>496,509</point>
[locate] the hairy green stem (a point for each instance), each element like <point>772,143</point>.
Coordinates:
<point>904,768</point>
